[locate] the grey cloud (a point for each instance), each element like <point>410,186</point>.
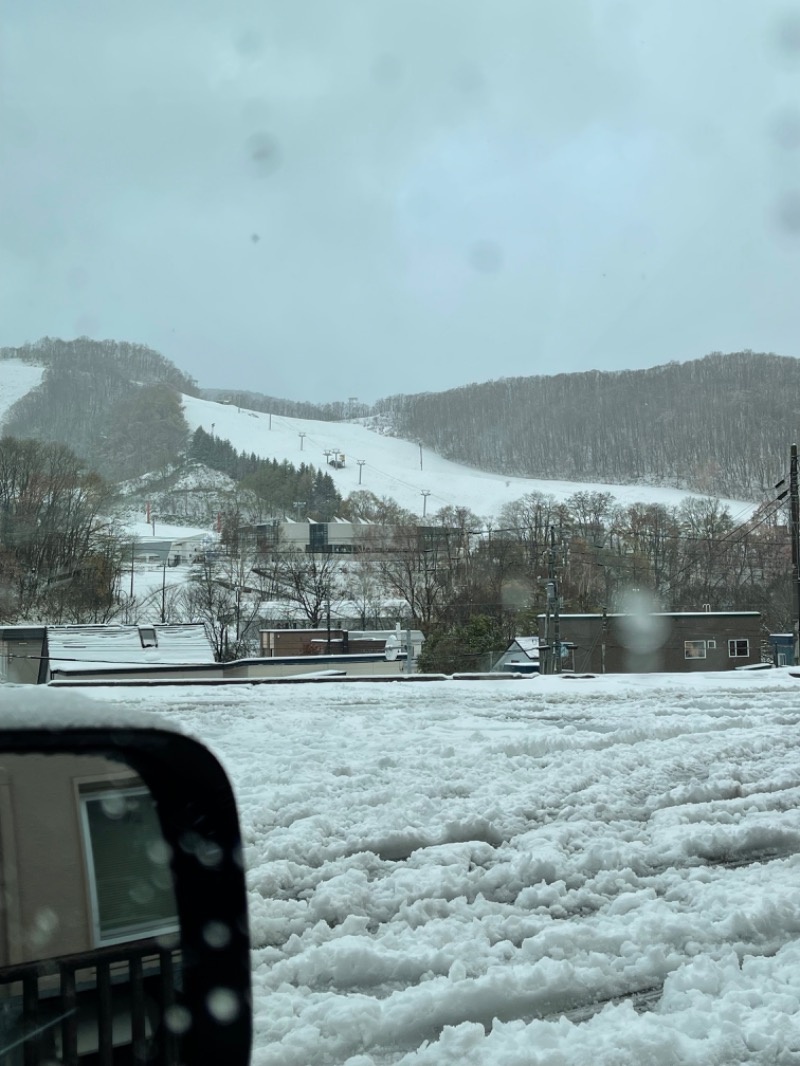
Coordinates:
<point>442,192</point>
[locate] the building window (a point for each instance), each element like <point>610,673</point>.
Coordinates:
<point>148,637</point>
<point>738,649</point>
<point>318,538</point>
<point>130,879</point>
<point>711,645</point>
<point>694,649</point>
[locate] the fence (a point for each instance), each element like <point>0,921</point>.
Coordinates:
<point>91,1004</point>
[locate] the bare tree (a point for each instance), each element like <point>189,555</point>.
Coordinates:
<point>310,580</point>
<point>59,557</point>
<point>363,587</point>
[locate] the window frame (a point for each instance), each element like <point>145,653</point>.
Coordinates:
<point>699,644</point>
<point>136,930</point>
<point>733,642</point>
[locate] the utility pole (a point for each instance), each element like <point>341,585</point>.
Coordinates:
<point>360,465</point>
<point>301,435</point>
<point>420,454</point>
<point>425,493</point>
<point>794,527</point>
<point>553,585</point>
<point>603,631</point>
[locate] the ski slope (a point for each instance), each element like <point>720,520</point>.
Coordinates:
<point>391,467</point>
<point>396,468</point>
<point>16,379</point>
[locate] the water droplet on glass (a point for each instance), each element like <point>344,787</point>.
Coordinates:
<point>113,806</point>
<point>223,1005</point>
<point>216,934</point>
<point>486,257</point>
<point>177,1019</point>
<point>788,213</point>
<point>159,852</point>
<point>263,153</point>
<point>45,924</point>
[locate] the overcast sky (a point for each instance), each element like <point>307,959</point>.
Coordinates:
<point>319,199</point>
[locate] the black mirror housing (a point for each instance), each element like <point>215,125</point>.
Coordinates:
<point>199,822</point>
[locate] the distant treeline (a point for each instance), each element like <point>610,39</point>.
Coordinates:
<point>722,424</point>
<point>135,362</point>
<point>339,411</point>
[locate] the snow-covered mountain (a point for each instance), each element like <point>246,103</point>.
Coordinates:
<point>417,478</point>
<point>396,468</point>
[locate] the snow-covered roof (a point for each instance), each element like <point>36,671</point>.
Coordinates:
<point>73,648</point>
<point>530,645</point>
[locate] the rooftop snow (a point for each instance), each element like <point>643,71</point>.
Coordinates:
<point>103,647</point>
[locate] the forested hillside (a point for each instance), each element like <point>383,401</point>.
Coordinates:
<point>280,486</point>
<point>722,424</point>
<point>116,405</point>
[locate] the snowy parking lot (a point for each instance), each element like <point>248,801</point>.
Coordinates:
<point>545,871</point>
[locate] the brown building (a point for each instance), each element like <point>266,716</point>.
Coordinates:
<point>277,643</point>
<point>322,641</point>
<point>668,642</point>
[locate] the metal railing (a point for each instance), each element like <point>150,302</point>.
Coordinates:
<point>110,1003</point>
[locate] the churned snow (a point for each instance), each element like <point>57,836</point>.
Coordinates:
<point>555,871</point>
<point>391,467</point>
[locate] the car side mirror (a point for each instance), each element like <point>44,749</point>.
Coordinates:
<point>123,921</point>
